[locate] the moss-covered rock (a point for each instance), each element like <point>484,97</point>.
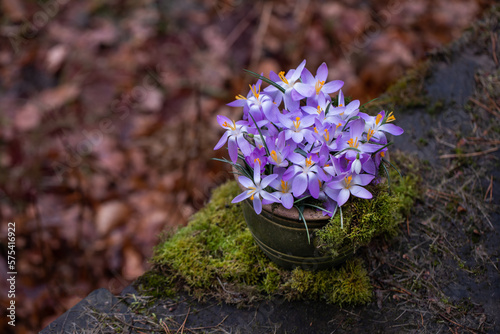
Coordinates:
<point>215,255</point>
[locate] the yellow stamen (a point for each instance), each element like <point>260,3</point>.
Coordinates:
<point>232,127</point>
<point>378,119</point>
<point>282,77</point>
<point>284,186</point>
<point>370,133</point>
<point>274,155</point>
<point>341,105</point>
<point>252,189</point>
<point>318,86</point>
<point>326,135</point>
<point>240,97</point>
<point>353,142</point>
<point>319,110</point>
<point>297,123</point>
<point>390,118</point>
<point>382,154</point>
<point>348,181</point>
<point>316,130</point>
<point>338,126</point>
<point>255,91</point>
<point>309,162</point>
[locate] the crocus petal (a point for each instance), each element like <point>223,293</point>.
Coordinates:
<point>304,90</point>
<point>290,104</point>
<point>256,172</point>
<point>360,192</point>
<point>222,140</point>
<point>307,77</point>
<point>268,179</point>
<point>269,197</point>
<point>343,196</point>
<point>257,205</point>
<point>357,128</point>
<point>223,119</point>
<point>242,196</point>
<point>298,72</point>
<point>322,72</point>
<point>287,200</point>
<point>297,137</point>
<point>369,166</point>
<point>238,103</point>
<point>352,106</point>
<point>232,149</point>
<point>332,86</point>
<point>299,184</point>
<point>332,193</point>
<point>245,181</point>
<point>364,179</point>
<point>392,129</point>
<point>314,187</point>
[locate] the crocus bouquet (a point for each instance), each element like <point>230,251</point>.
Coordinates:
<point>295,143</point>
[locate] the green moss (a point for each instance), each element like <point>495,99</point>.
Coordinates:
<point>364,219</point>
<point>215,255</point>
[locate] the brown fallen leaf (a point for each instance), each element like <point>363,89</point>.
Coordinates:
<point>14,10</point>
<point>110,215</point>
<point>132,263</point>
<point>55,57</point>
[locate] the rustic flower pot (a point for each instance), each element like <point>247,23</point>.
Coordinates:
<point>282,236</point>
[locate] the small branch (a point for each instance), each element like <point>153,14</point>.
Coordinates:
<point>472,330</point>
<point>184,323</point>
<point>489,190</point>
<point>494,47</point>
<point>485,107</point>
<point>468,155</point>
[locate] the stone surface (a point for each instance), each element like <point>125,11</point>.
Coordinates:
<point>85,316</point>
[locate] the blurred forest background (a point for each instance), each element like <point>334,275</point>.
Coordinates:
<point>107,116</point>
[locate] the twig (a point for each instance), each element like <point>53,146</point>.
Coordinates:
<point>486,141</point>
<point>165,327</point>
<point>472,330</point>
<point>184,323</point>
<point>468,155</point>
<point>489,190</point>
<point>485,107</point>
<point>209,327</point>
<point>494,47</point>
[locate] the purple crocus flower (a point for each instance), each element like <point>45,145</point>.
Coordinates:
<point>305,173</point>
<point>341,187</point>
<point>376,127</point>
<point>279,150</point>
<point>260,105</point>
<point>234,137</point>
<point>354,143</point>
<point>255,189</point>
<point>346,111</point>
<point>294,89</point>
<point>284,192</point>
<point>318,85</point>
<point>297,126</point>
